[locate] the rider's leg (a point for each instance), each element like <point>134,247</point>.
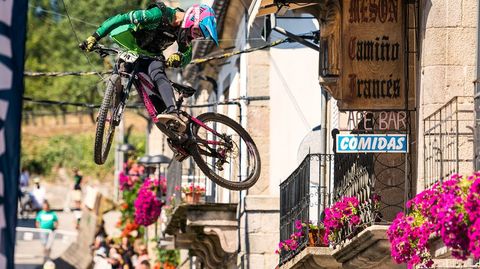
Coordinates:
<point>156,70</point>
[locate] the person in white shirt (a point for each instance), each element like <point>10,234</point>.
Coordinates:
<point>37,194</point>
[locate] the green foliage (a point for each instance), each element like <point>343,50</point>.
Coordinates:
<point>42,155</point>
<point>53,46</point>
<point>171,256</point>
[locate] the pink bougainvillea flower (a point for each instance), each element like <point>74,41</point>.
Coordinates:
<point>147,205</point>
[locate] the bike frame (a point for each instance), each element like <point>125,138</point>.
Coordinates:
<point>144,84</point>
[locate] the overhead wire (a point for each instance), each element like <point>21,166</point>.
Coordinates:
<point>137,105</point>
<point>290,95</point>
<point>63,74</point>
<point>78,39</point>
<point>63,15</point>
<point>195,61</point>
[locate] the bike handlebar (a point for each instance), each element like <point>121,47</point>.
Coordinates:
<point>100,49</point>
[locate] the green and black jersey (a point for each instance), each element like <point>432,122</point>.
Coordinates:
<point>145,31</point>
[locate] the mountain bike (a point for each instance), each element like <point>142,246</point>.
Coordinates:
<point>213,140</point>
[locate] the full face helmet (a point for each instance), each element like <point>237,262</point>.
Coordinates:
<point>200,19</point>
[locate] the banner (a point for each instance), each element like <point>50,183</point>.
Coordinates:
<point>13,17</point>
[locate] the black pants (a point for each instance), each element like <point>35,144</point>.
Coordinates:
<point>156,70</point>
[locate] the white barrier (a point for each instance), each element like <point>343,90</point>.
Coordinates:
<point>42,242</point>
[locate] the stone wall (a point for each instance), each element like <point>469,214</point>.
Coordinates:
<point>261,221</point>
<point>447,61</point>
<point>258,116</point>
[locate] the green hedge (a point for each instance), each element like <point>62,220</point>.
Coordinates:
<point>42,155</point>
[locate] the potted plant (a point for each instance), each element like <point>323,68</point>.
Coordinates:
<point>312,234</point>
<point>316,234</point>
<point>193,193</point>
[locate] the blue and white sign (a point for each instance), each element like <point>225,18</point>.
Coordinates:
<point>369,143</point>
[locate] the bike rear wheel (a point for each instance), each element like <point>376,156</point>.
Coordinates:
<point>218,156</point>
<point>105,129</point>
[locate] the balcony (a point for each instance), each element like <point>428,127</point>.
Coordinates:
<point>380,182</point>
<point>448,140</point>
<point>307,192</point>
<point>209,230</point>
<point>304,196</point>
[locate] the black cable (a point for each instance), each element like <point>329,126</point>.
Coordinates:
<point>76,36</point>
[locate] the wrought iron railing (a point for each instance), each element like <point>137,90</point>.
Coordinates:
<point>354,176</point>
<point>181,174</point>
<point>448,140</point>
<point>303,196</point>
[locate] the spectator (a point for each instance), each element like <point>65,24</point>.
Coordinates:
<point>77,178</point>
<point>142,256</point>
<point>100,259</point>
<point>115,259</point>
<point>48,220</point>
<point>37,194</point>
<point>144,265</point>
<point>98,243</point>
<point>24,178</point>
<point>126,250</point>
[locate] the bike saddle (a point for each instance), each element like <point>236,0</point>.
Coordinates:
<point>185,90</point>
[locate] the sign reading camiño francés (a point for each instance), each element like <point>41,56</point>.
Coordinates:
<point>372,73</point>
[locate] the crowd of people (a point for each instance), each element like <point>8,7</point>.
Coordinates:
<point>109,255</point>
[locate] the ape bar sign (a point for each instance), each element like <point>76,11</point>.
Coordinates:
<point>372,76</point>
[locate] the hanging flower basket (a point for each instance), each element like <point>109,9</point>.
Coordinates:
<point>449,210</point>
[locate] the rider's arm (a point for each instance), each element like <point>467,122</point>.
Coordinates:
<point>147,16</point>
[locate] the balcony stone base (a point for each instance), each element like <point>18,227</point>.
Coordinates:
<point>313,258</point>
<point>209,231</point>
<point>442,256</point>
<point>369,249</point>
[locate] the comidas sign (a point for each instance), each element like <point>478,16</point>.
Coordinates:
<point>12,44</point>
<point>371,143</point>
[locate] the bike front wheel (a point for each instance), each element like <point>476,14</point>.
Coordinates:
<point>105,129</point>
<point>225,152</point>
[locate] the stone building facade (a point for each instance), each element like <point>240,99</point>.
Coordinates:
<point>291,118</point>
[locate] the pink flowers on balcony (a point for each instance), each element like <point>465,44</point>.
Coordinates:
<point>450,210</point>
<point>342,213</point>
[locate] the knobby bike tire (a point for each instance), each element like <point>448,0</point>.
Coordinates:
<point>247,183</point>
<point>102,148</point>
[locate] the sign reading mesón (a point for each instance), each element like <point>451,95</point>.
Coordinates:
<point>372,73</point>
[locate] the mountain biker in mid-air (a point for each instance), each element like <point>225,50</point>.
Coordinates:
<point>150,32</point>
